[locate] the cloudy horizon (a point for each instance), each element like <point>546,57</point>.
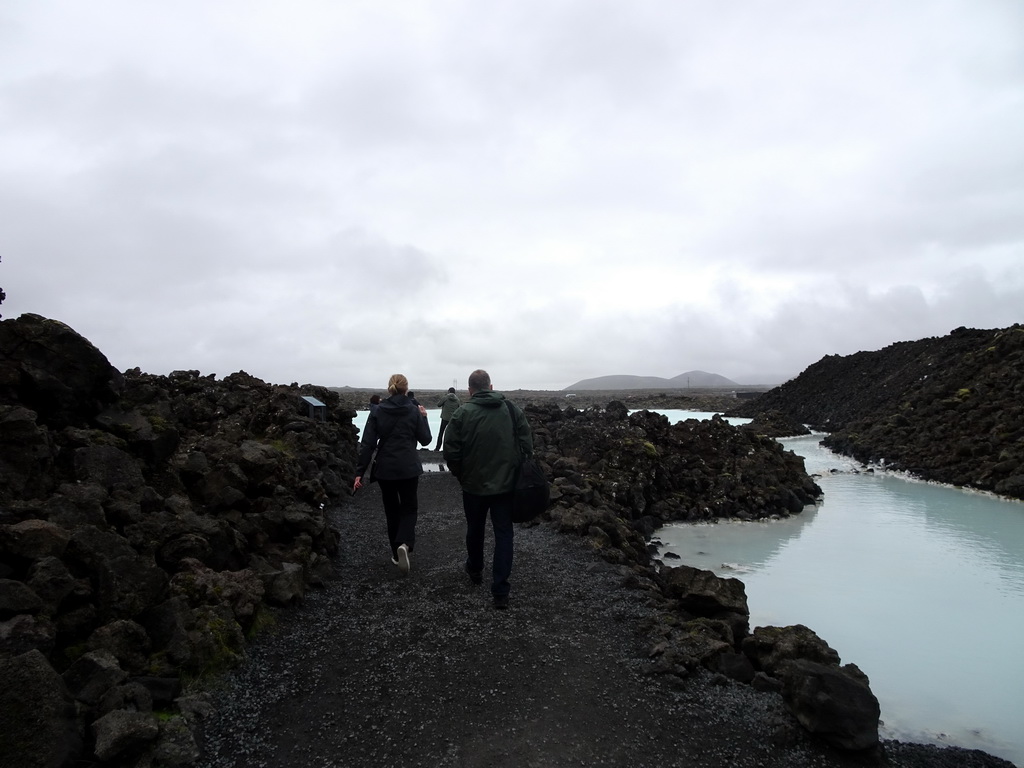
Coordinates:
<point>332,192</point>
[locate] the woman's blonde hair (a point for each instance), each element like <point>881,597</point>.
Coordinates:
<point>398,384</point>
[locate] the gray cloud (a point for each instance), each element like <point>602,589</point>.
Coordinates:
<point>551,191</point>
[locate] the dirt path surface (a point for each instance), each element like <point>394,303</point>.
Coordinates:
<point>380,669</point>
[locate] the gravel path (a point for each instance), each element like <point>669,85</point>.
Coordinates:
<point>378,669</point>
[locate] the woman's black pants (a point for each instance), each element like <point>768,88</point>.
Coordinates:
<point>400,508</point>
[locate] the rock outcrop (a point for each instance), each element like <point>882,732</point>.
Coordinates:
<point>776,424</point>
<point>147,525</point>
<point>41,727</point>
<point>948,409</point>
<point>618,477</point>
<point>832,701</point>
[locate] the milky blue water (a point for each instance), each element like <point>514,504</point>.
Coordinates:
<point>920,585</point>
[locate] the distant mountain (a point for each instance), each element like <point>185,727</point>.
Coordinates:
<point>698,379</point>
<point>702,379</point>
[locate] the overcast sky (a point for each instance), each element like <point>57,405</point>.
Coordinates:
<point>332,192</point>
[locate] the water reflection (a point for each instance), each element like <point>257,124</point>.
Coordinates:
<point>749,544</point>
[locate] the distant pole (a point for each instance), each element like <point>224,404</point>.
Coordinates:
<point>687,383</point>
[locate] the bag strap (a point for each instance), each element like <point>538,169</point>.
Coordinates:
<point>515,434</point>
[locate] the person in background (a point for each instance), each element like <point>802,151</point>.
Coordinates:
<point>374,402</point>
<point>448,404</point>
<point>482,447</point>
<point>394,428</point>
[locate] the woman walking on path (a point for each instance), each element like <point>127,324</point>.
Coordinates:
<point>393,429</point>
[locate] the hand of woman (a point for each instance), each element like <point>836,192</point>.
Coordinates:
<point>357,484</point>
<point>423,411</point>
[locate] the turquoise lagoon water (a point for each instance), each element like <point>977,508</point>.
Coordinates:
<point>920,585</point>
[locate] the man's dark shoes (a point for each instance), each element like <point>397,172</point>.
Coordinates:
<point>501,602</point>
<point>475,576</point>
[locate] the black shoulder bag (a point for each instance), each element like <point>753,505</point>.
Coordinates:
<point>530,494</point>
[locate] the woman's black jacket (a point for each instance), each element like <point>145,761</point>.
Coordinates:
<point>394,427</point>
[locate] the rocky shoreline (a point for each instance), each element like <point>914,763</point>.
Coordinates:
<point>150,526</point>
<point>948,409</point>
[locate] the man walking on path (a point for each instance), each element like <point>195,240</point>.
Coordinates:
<point>448,404</point>
<point>483,447</point>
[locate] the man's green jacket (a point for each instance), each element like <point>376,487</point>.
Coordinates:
<point>483,448</point>
<point>448,404</point>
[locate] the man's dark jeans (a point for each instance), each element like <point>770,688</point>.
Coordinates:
<point>476,509</point>
<point>400,508</point>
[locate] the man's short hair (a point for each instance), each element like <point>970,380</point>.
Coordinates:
<point>479,380</point>
<point>452,390</point>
